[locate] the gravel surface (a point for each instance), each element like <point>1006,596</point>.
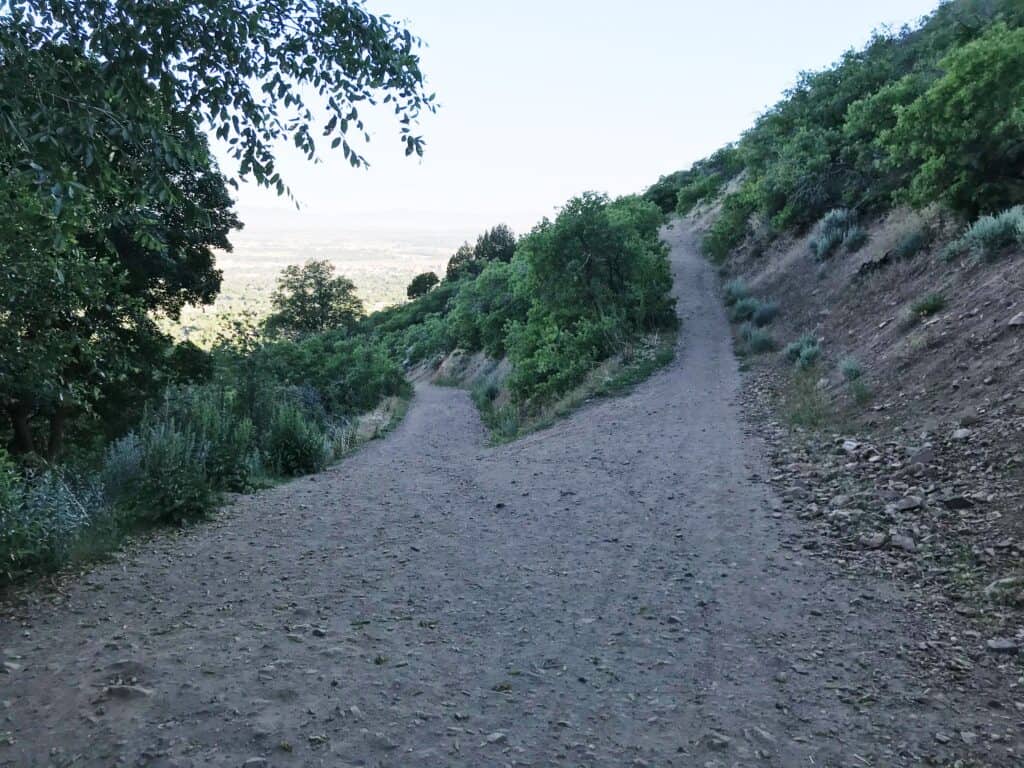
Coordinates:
<point>621,589</point>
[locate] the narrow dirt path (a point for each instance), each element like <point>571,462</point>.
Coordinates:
<point>613,591</point>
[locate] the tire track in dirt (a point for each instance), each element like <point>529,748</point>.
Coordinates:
<point>612,591</point>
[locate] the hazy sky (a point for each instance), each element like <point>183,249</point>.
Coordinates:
<point>543,99</point>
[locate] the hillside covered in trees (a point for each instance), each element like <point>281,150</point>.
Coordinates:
<point>931,114</point>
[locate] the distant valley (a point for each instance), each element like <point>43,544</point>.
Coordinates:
<point>381,264</point>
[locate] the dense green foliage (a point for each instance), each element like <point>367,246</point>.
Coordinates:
<point>681,191</point>
<point>312,299</point>
<point>932,114</point>
<point>112,209</point>
<point>570,294</point>
<point>112,204</point>
<point>596,276</point>
<point>254,73</point>
<point>965,134</point>
<point>422,284</point>
<point>496,244</point>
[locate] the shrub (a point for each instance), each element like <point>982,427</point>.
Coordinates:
<point>735,290</point>
<point>991,236</point>
<point>832,231</point>
<point>851,369</point>
<point>754,310</point>
<point>351,374</point>
<point>10,482</point>
<point>296,444</point>
<point>803,402</point>
<point>594,279</point>
<point>213,416</point>
<point>548,360</point>
<point>158,474</point>
<point>732,224</point>
<point>961,137</point>
<point>912,243</point>
<point>43,520</point>
<point>744,309</point>
<point>483,309</point>
<point>422,284</point>
<point>804,352</point>
<point>756,340</point>
<point>928,305</point>
<point>765,313</point>
<point>697,191</point>
<point>855,238</point>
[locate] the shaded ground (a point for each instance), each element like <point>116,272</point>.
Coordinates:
<point>618,590</point>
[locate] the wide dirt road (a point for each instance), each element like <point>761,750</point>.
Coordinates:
<point>614,591</point>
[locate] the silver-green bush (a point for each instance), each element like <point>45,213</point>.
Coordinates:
<point>831,231</point>
<point>991,236</point>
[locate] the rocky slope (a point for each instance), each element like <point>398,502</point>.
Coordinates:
<point>918,472</point>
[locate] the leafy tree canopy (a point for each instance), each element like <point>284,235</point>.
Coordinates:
<point>421,285</point>
<point>83,272</point>
<point>256,73</point>
<point>965,134</point>
<point>495,244</point>
<point>311,298</point>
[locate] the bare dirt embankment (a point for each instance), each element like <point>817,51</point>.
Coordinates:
<point>620,589</point>
<point>921,477</point>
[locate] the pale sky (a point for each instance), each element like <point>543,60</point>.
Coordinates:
<point>544,99</point>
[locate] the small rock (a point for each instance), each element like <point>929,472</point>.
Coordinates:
<point>1002,645</point>
<point>906,543</point>
<point>1017,321</point>
<point>908,503</point>
<point>957,502</point>
<point>923,455</point>
<point>496,738</point>
<point>962,434</point>
<point>718,741</point>
<point>126,692</point>
<point>1000,587</point>
<point>873,540</point>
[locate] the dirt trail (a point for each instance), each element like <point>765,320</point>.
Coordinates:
<point>614,591</point>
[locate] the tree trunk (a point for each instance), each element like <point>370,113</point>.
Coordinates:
<point>55,444</point>
<point>19,413</point>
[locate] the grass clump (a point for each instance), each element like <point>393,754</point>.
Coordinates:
<point>912,243</point>
<point>754,310</point>
<point>756,341</point>
<point>992,236</point>
<point>804,404</point>
<point>735,290</point>
<point>928,305</point>
<point>855,238</point>
<point>804,352</point>
<point>832,230</point>
<point>502,421</point>
<point>765,314</point>
<point>853,375</point>
<point>744,309</point>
